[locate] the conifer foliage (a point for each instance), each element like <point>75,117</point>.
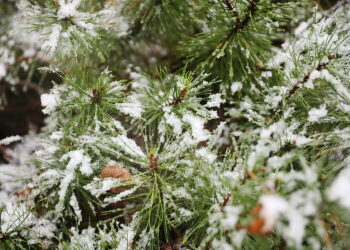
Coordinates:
<point>173,124</point>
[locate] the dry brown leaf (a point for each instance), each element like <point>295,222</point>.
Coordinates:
<point>119,173</point>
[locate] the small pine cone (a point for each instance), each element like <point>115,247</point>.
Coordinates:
<point>119,173</point>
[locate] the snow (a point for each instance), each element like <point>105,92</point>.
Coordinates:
<point>77,158</point>
<point>315,114</point>
<point>266,74</point>
<point>2,70</point>
<point>10,139</point>
<point>277,162</point>
<point>339,189</point>
<point>57,135</point>
<point>230,216</point>
<point>65,182</point>
<point>238,237</point>
<point>85,168</point>
<point>100,186</point>
<point>167,109</point>
<point>84,240</point>
<point>44,228</point>
<point>126,234</point>
<point>197,126</point>
<point>121,195</point>
<point>73,202</point>
<point>180,83</point>
<point>181,193</point>
<point>67,10</point>
<point>14,215</point>
<point>139,82</point>
<point>132,108</point>
<point>174,121</point>
<point>299,140</point>
<point>256,145</point>
<point>205,154</point>
<point>236,86</point>
<point>50,45</point>
<point>215,100</point>
<point>326,75</point>
<point>221,244</point>
<point>272,207</point>
<point>49,102</point>
<point>128,145</point>
<point>231,176</point>
<point>295,231</point>
<point>301,28</point>
<point>315,74</point>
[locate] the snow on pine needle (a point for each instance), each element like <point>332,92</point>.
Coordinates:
<point>70,23</point>
<point>240,140</point>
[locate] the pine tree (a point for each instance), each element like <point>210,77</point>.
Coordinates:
<point>171,124</point>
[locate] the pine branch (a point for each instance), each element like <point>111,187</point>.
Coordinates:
<point>319,67</point>
<point>239,25</point>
